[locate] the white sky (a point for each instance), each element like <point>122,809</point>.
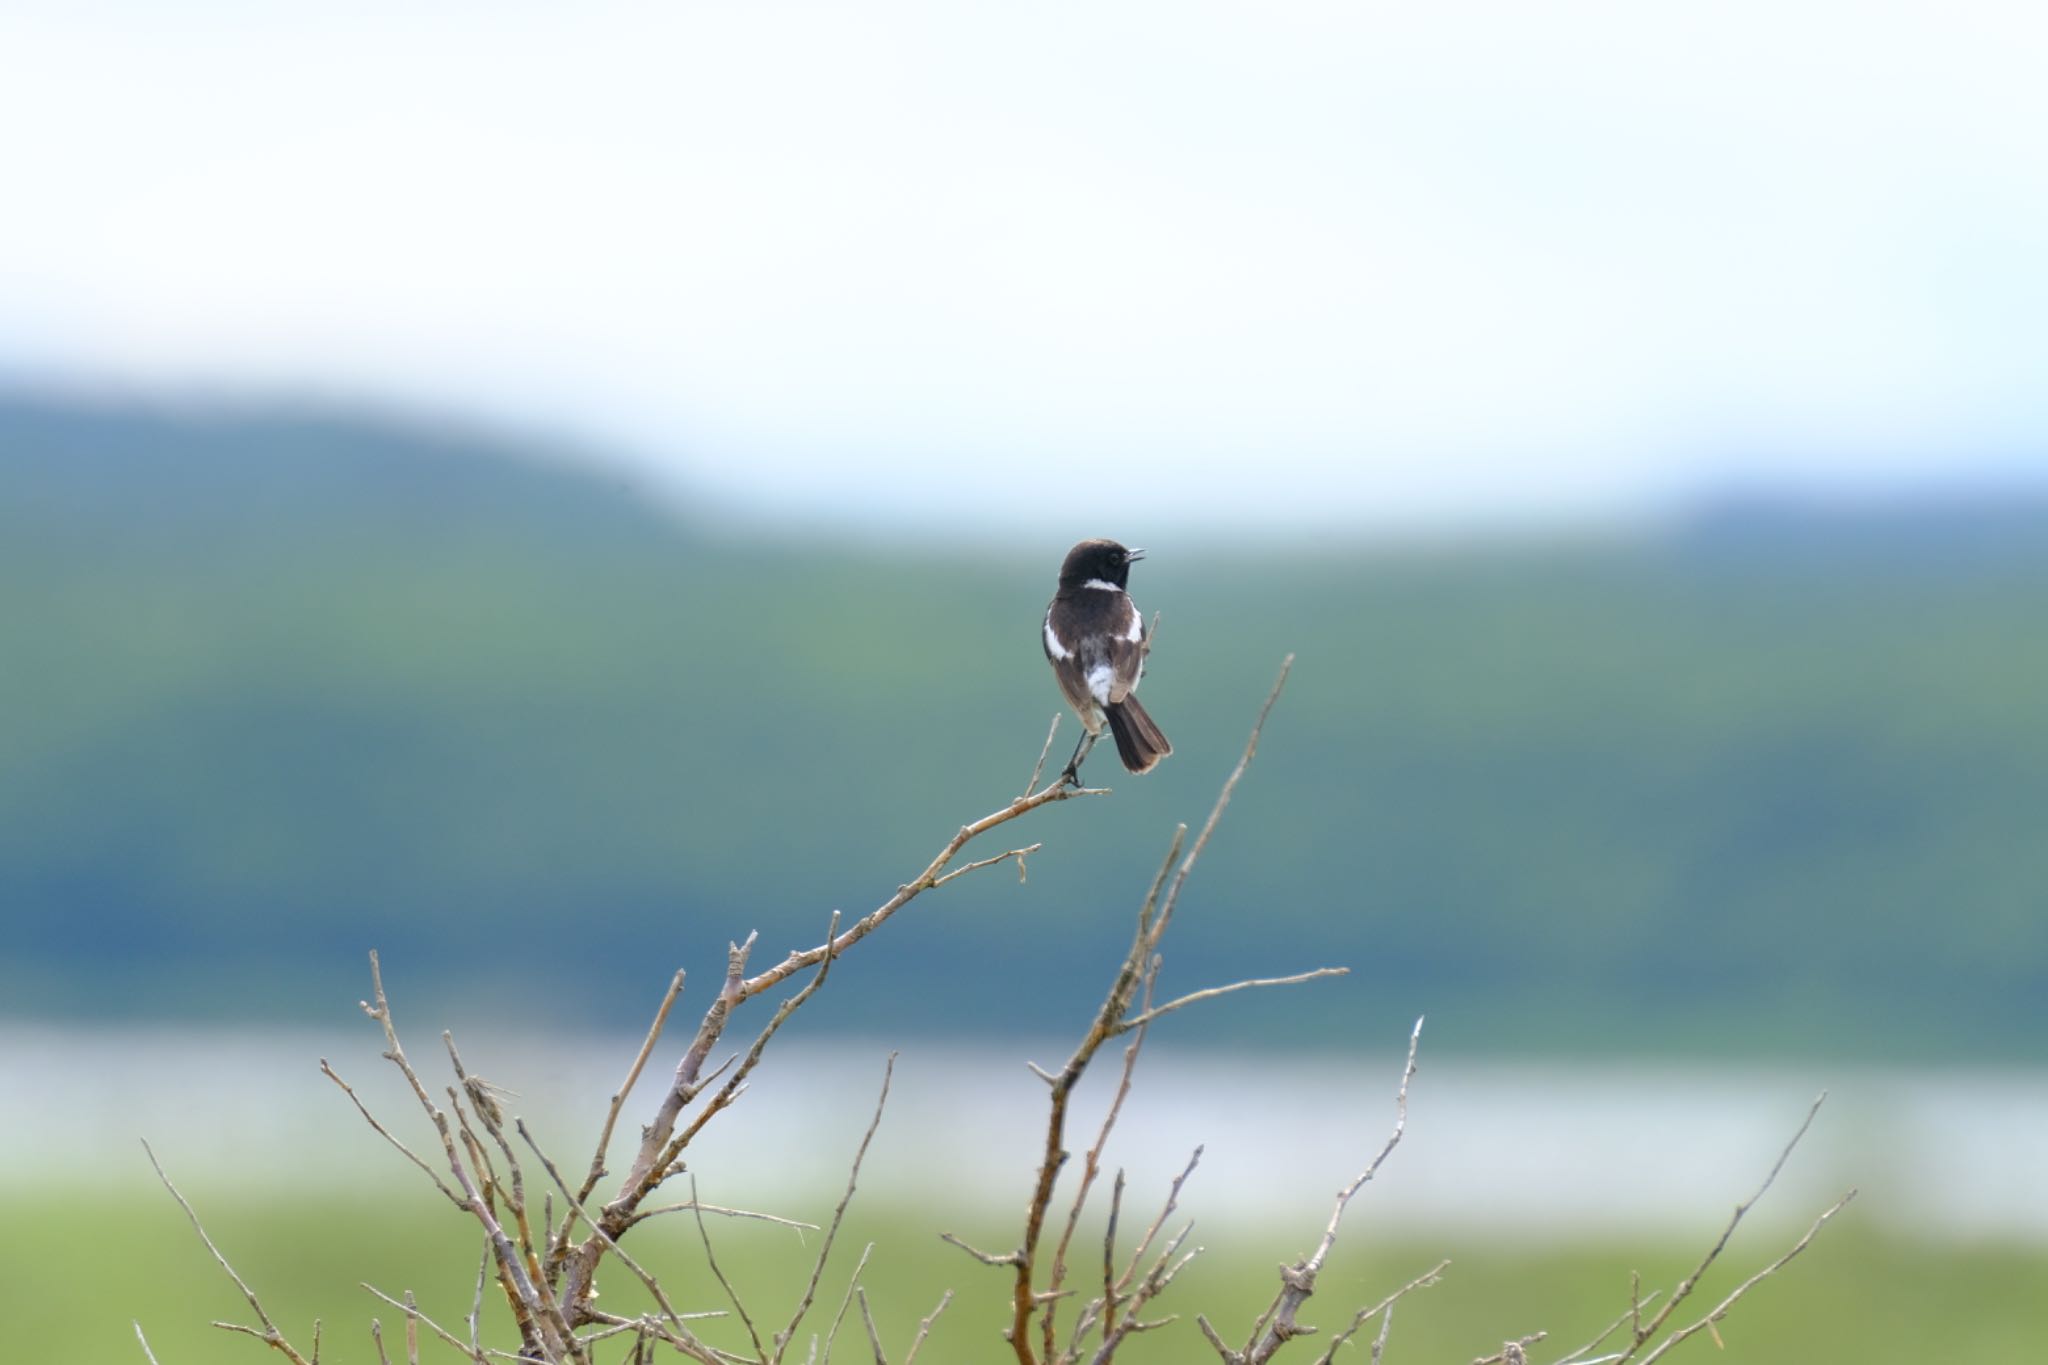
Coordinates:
<point>1327,261</point>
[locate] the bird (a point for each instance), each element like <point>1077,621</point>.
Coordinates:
<point>1095,639</point>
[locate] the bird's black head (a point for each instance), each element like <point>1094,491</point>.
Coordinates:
<point>1098,560</point>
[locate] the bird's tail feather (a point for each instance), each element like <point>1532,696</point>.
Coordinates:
<point>1139,743</point>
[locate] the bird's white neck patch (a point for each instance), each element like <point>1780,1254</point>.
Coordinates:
<point>1101,585</point>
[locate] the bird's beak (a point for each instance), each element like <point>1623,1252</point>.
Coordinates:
<point>1134,555</point>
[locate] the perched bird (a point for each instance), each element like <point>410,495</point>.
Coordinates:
<point>1095,638</point>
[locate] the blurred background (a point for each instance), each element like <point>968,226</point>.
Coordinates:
<point>543,494</point>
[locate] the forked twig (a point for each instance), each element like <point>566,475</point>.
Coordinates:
<point>1643,1333</point>
<point>1720,1310</point>
<point>1277,1325</point>
<point>1386,1306</point>
<point>269,1333</point>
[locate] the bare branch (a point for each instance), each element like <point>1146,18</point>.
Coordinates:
<point>1386,1305</point>
<point>269,1334</point>
<point>1513,1352</point>
<point>1140,1020</point>
<point>1038,769</point>
<point>730,1091</point>
<point>1155,1282</point>
<point>385,1133</point>
<point>720,1211</point>
<point>1165,1212</point>
<point>684,1339</point>
<point>1251,748</point>
<point>1017,853</point>
<point>1091,1167</point>
<point>732,1295</point>
<point>924,1326</point>
<point>1298,1281</point>
<point>874,1336</point>
<point>1690,1282</point>
<point>1721,1309</point>
<point>846,1300</point>
<point>784,1337</point>
<point>476,1304</point>
<point>144,1341</point>
<point>413,1316</point>
<point>1116,1207</point>
<point>618,1102</point>
<point>985,1257</point>
<point>1222,1347</point>
<point>539,1323</point>
<point>1379,1343</point>
<point>1153,917</point>
<point>1633,1314</point>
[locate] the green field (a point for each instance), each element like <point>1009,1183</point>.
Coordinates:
<point>89,1263</point>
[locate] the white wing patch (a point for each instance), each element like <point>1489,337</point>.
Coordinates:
<point>1052,642</point>
<point>1100,679</point>
<point>1135,631</point>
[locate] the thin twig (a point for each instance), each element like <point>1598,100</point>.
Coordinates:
<point>788,1334</point>
<point>1379,1343</point>
<point>1038,769</point>
<point>1155,1282</point>
<point>1017,853</point>
<point>540,1323</point>
<point>720,1211</point>
<point>1116,1207</point>
<point>329,1072</point>
<point>730,1091</point>
<point>476,1304</point>
<point>924,1326</point>
<point>1298,1281</point>
<point>1251,748</point>
<point>1721,1309</point>
<point>692,1345</point>
<point>874,1334</point>
<point>845,1302</point>
<point>1513,1352</point>
<point>1166,1211</point>
<point>1091,1167</point>
<point>269,1334</point>
<point>1690,1282</point>
<point>1632,1314</point>
<point>985,1257</point>
<point>1386,1305</point>
<point>414,1315</point>
<point>1140,1020</point>
<point>1153,918</point>
<point>618,1101</point>
<point>652,1162</point>
<point>149,1354</point>
<point>731,1294</point>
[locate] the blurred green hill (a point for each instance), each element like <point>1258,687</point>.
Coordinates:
<point>279,686</point>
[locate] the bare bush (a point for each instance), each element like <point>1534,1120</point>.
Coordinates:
<point>544,1253</point>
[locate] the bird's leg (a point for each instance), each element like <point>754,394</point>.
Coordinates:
<point>1081,748</point>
